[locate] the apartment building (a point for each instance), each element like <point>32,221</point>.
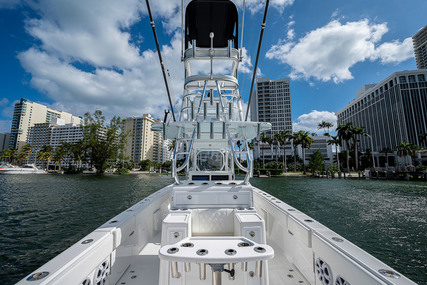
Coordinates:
<point>26,114</point>
<point>143,143</point>
<point>271,102</point>
<point>419,41</point>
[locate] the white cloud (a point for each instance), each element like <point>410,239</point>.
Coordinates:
<point>395,52</point>
<point>309,122</point>
<point>329,52</point>
<point>257,5</point>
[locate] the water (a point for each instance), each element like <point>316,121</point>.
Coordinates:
<point>41,215</point>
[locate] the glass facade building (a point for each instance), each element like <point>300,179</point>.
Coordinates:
<point>391,111</point>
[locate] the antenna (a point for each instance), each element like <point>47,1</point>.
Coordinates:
<point>160,58</point>
<point>257,56</point>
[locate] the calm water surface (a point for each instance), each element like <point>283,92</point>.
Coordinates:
<point>41,215</point>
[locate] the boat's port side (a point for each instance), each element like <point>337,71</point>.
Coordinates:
<point>312,253</point>
<point>114,250</point>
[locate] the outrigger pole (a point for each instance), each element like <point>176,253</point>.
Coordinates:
<point>257,56</point>
<point>161,59</point>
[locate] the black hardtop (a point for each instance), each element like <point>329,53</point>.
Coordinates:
<point>205,16</point>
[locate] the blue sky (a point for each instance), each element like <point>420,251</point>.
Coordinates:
<point>80,56</point>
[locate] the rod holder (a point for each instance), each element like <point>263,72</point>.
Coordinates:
<point>258,268</point>
<point>231,269</point>
<point>202,271</point>
<point>174,268</point>
<point>192,110</point>
<point>216,278</point>
<point>217,111</point>
<point>212,131</point>
<point>230,111</point>
<point>223,130</point>
<point>244,266</point>
<point>198,130</point>
<point>211,97</point>
<point>187,267</point>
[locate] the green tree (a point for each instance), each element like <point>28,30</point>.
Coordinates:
<point>335,140</point>
<point>325,125</point>
<point>303,138</point>
<point>45,154</point>
<point>356,131</point>
<point>283,139</point>
<point>59,154</point>
<point>239,146</point>
<point>26,151</point>
<point>316,162</point>
<point>403,150</point>
<point>102,142</point>
<point>144,164</point>
<point>10,154</point>
<point>264,140</point>
<point>345,133</point>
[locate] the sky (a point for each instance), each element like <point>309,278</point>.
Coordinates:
<point>85,55</point>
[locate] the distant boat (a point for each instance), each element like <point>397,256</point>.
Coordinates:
<point>26,169</point>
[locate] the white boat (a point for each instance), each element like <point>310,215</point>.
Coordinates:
<point>25,169</point>
<point>209,227</point>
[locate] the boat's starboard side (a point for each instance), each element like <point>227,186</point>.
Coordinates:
<point>319,254</point>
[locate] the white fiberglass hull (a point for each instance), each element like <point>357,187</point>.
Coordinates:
<point>19,170</point>
<point>125,250</point>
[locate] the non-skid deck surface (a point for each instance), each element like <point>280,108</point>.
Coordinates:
<point>145,270</point>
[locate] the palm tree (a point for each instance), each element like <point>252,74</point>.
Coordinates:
<point>295,142</point>
<point>26,151</point>
<point>45,154</point>
<point>345,133</point>
<point>403,150</point>
<point>59,154</point>
<point>264,139</point>
<point>283,138</point>
<point>414,148</point>
<point>251,145</point>
<point>335,140</point>
<point>355,133</point>
<point>305,140</point>
<point>10,154</point>
<point>325,125</point>
<point>274,142</point>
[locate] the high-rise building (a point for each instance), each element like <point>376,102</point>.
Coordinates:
<point>52,134</point>
<point>271,102</point>
<point>143,143</point>
<point>26,114</point>
<point>391,111</point>
<point>4,141</point>
<point>420,48</point>
<point>70,133</point>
